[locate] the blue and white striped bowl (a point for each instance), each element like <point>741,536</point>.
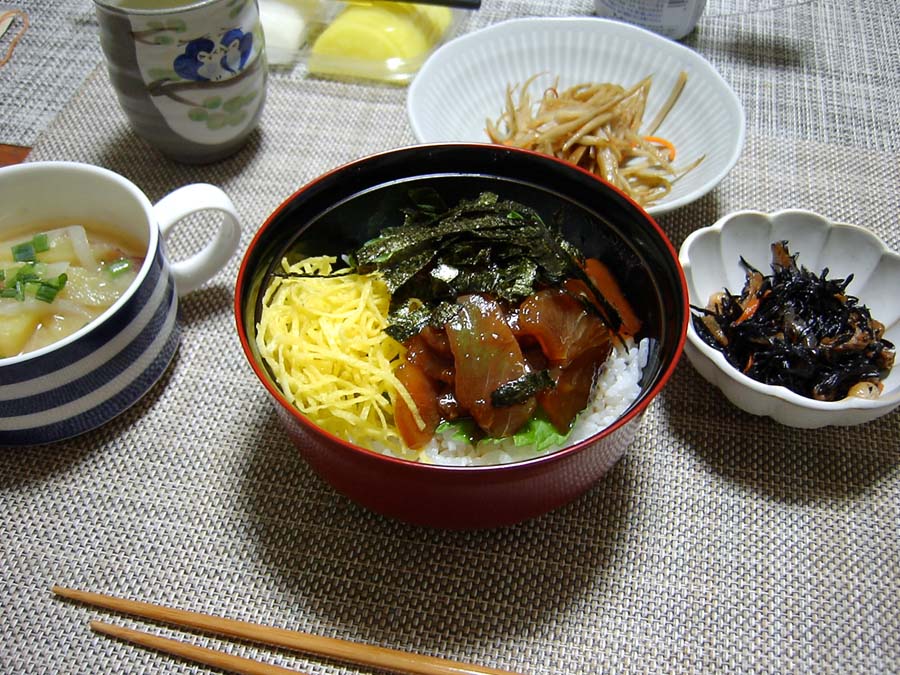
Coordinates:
<point>90,377</point>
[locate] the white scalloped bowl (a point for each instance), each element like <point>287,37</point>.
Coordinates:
<point>710,257</point>
<point>464,83</point>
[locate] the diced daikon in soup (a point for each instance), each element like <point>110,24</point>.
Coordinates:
<point>55,280</point>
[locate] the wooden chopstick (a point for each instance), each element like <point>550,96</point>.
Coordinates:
<point>344,650</point>
<point>209,657</point>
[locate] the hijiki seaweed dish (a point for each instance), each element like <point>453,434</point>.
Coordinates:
<point>800,330</point>
<point>471,334</point>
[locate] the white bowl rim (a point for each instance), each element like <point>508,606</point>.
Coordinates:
<point>778,391</point>
<point>539,23</point>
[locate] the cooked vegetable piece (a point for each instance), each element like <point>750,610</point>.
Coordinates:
<point>118,266</point>
<point>23,252</point>
<point>15,331</point>
<point>596,126</point>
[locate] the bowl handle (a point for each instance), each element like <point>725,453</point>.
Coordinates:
<point>195,270</point>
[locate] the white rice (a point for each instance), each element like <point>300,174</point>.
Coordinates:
<point>616,388</point>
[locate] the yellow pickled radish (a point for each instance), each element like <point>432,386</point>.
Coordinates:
<point>432,20</point>
<point>377,33</point>
<point>370,32</point>
<point>348,39</point>
<point>438,18</point>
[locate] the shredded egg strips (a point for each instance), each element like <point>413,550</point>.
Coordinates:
<point>323,339</point>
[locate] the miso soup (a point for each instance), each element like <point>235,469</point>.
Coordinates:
<point>55,280</point>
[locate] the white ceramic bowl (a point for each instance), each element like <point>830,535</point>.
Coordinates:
<point>464,83</point>
<point>710,257</point>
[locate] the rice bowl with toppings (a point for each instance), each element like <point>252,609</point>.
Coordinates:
<point>472,334</point>
<point>445,483</point>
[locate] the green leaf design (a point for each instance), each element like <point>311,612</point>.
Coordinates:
<point>233,104</point>
<point>236,119</point>
<point>212,102</point>
<point>198,114</point>
<point>163,39</point>
<point>216,121</point>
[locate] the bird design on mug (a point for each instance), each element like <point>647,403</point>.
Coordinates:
<point>205,61</point>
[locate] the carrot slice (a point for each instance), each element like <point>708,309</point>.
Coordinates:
<point>606,283</point>
<point>748,312</point>
<point>657,140</point>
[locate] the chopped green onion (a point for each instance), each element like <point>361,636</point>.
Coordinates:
<point>117,267</point>
<point>27,250</point>
<point>41,242</point>
<point>58,283</point>
<point>27,272</point>
<point>46,293</point>
<point>17,292</point>
<point>50,288</point>
<point>23,252</point>
<point>30,283</point>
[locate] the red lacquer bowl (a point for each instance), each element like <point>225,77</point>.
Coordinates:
<point>337,212</point>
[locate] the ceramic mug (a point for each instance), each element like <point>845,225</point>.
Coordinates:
<point>189,74</point>
<point>84,380</point>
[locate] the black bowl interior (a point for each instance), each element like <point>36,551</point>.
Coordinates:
<point>338,212</point>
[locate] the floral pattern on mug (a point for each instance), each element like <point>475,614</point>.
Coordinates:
<point>204,69</point>
<point>204,60</point>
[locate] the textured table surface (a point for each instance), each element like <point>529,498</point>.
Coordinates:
<point>720,542</point>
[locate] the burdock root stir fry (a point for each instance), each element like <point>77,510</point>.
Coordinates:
<point>599,127</point>
<point>799,330</point>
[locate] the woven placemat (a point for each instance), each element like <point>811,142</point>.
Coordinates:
<point>50,62</point>
<point>720,542</point>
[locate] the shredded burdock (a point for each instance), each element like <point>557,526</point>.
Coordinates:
<point>599,127</point>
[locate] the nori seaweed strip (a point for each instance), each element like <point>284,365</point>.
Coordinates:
<point>521,389</point>
<point>406,323</point>
<point>485,245</point>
